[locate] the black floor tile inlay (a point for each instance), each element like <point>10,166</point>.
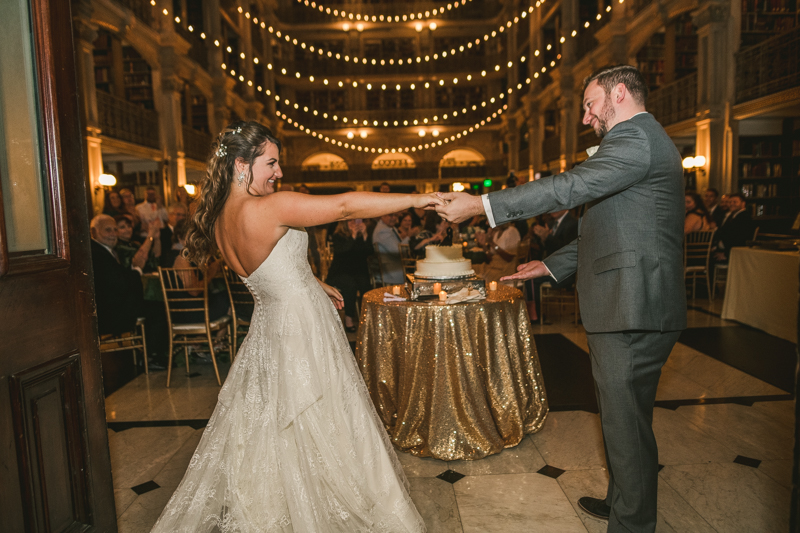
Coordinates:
<point>752,351</point>
<point>741,400</point>
<point>122,426</point>
<point>145,487</point>
<point>660,467</point>
<point>747,461</point>
<point>550,471</point>
<point>451,476</point>
<point>567,374</point>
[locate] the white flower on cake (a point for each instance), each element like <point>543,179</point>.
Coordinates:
<point>443,262</point>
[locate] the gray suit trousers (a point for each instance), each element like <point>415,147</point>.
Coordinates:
<point>626,368</point>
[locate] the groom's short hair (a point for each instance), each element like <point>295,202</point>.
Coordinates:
<point>608,78</point>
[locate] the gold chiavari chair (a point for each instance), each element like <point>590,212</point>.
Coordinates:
<point>178,301</point>
<point>241,302</point>
<point>409,263</point>
<point>134,340</point>
<point>696,258</point>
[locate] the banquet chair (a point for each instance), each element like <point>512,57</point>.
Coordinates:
<point>560,296</point>
<point>177,300</point>
<point>375,271</point>
<point>132,340</point>
<point>697,257</point>
<point>721,269</point>
<point>241,300</point>
<point>523,248</point>
<point>409,263</point>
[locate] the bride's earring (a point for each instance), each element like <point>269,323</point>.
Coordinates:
<point>241,178</point>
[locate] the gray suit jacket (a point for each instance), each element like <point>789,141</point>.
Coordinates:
<point>629,250</point>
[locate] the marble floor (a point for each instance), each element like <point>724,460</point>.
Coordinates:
<point>725,441</point>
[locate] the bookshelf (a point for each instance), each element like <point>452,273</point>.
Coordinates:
<point>762,19</point>
<point>137,78</point>
<point>102,63</point>
<point>651,61</point>
<point>769,175</point>
<point>685,46</point>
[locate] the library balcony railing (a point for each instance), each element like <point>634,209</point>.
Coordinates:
<point>637,6</point>
<point>389,116</point>
<point>674,102</point>
<point>142,9</point>
<point>474,170</point>
<point>393,174</point>
<point>320,176</point>
<point>768,67</point>
<point>461,63</point>
<point>199,51</point>
<point>125,121</point>
<point>586,138</point>
<point>551,148</point>
<point>295,13</point>
<point>196,144</point>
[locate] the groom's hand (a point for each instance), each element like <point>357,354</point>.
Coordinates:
<point>459,206</point>
<point>534,269</point>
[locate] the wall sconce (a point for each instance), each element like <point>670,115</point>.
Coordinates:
<point>458,187</point>
<point>692,164</point>
<point>106,181</point>
<point>189,188</point>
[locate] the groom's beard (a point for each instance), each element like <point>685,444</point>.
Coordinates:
<point>605,117</point>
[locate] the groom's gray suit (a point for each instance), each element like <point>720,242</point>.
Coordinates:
<point>629,261</point>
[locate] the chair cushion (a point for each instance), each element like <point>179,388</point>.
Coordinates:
<point>198,328</point>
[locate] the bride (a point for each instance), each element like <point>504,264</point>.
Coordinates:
<point>294,443</point>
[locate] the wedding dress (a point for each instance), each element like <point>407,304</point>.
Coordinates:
<point>294,443</point>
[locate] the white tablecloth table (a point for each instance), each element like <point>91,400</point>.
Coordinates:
<point>762,290</point>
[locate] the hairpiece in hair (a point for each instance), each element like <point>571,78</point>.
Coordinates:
<point>237,130</point>
<point>222,151</point>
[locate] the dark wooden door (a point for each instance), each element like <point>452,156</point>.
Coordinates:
<point>55,472</point>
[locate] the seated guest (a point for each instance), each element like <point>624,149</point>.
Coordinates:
<point>128,249</point>
<point>433,232</point>
<point>170,248</point>
<point>715,210</point>
<point>387,243</point>
<point>118,289</point>
<point>113,204</point>
<point>561,230</point>
<point>737,227</point>
<point>348,271</point>
<point>129,208</point>
<point>218,302</point>
<point>385,187</point>
<point>697,217</point>
<point>501,248</point>
<point>406,227</point>
<point>150,210</point>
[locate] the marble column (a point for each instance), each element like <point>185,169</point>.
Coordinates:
<point>715,96</point>
<point>85,35</point>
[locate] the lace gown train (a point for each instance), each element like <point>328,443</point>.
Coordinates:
<point>294,443</point>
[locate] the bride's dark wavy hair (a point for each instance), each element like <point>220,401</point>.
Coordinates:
<point>245,140</point>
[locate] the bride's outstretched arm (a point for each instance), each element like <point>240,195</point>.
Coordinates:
<point>303,210</point>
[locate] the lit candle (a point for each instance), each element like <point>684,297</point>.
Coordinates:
<point>396,290</point>
<point>437,288</point>
<point>442,296</point>
<point>464,244</point>
<point>492,285</point>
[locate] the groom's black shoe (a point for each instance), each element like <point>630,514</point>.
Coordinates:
<point>595,507</point>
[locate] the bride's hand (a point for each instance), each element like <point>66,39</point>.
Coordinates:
<point>429,200</point>
<point>333,294</point>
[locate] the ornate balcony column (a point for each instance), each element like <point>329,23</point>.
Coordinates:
<point>535,134</point>
<point>568,120</point>
<point>85,35</point>
<point>169,120</point>
<point>716,94</point>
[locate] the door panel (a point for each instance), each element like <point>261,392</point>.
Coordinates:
<point>55,471</point>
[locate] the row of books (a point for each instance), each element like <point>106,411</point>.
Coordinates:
<point>761,170</point>
<point>751,190</point>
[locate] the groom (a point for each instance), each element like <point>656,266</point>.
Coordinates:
<point>629,262</point>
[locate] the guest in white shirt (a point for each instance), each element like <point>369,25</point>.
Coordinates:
<point>151,209</point>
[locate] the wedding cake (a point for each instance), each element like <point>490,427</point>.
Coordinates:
<point>443,262</point>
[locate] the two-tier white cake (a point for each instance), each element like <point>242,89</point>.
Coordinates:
<point>444,262</point>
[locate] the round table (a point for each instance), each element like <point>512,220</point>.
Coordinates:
<point>452,381</point>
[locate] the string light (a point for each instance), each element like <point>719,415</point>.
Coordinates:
<point>396,18</point>
<point>402,149</point>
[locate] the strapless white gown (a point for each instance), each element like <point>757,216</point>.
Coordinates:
<point>294,443</point>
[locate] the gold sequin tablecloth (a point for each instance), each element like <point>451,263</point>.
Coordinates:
<point>457,381</point>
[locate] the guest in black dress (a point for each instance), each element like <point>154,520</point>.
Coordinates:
<point>348,271</point>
